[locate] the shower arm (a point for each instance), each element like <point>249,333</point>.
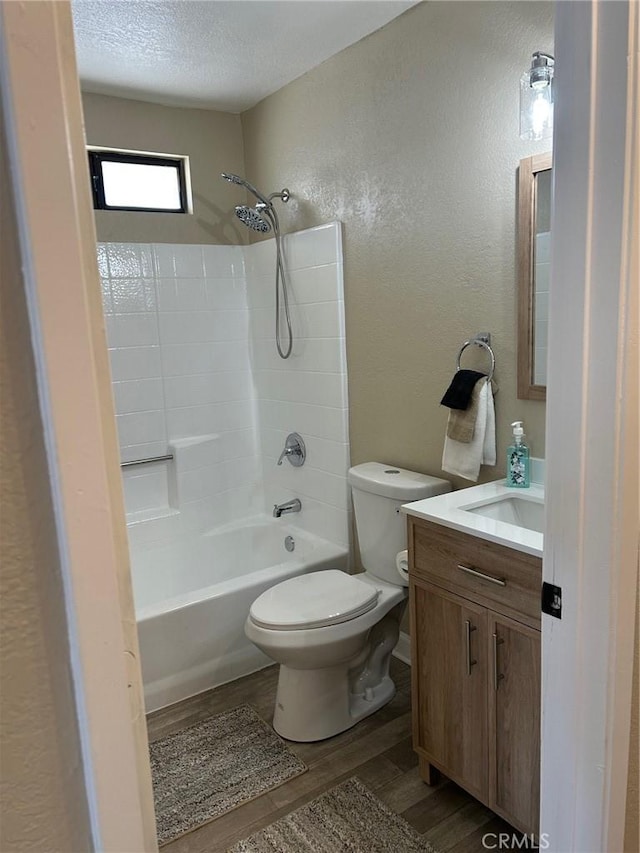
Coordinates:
<point>284,195</point>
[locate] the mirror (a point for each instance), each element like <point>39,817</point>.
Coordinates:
<point>534,235</point>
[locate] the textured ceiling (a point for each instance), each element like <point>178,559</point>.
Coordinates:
<point>220,54</point>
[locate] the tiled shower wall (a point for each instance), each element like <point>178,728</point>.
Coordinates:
<point>177,328</point>
<point>195,374</point>
<point>308,391</point>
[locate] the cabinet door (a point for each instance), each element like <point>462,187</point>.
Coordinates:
<point>449,637</point>
<point>514,722</point>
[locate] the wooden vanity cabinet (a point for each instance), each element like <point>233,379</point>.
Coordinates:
<point>514,723</point>
<point>475,634</point>
<point>450,714</point>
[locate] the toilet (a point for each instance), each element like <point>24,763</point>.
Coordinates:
<point>333,633</point>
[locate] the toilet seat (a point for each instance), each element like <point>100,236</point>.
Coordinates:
<point>315,600</point>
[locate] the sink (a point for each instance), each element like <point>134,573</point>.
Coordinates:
<point>520,510</point>
<point>491,511</point>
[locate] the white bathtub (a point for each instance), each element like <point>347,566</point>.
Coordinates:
<point>193,596</point>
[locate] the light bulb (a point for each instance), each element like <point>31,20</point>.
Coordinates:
<point>540,114</point>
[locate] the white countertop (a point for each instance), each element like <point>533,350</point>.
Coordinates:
<point>448,511</point>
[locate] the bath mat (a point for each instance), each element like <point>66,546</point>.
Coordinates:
<point>214,766</point>
<point>346,818</point>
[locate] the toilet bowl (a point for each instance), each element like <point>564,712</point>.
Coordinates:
<point>329,679</point>
<point>333,633</point>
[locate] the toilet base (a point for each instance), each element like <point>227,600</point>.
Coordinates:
<point>316,704</point>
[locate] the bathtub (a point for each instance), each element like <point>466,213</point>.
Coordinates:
<point>193,595</point>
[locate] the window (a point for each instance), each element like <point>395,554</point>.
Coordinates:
<point>136,181</point>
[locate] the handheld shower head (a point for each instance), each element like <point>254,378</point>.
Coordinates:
<point>236,179</point>
<point>250,217</point>
<point>233,179</point>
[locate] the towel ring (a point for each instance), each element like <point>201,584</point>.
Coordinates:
<point>480,343</point>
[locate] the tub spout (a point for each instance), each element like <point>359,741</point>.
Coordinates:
<point>289,506</point>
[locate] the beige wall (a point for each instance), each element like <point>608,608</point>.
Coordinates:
<point>42,801</point>
<point>213,142</point>
<point>410,137</point>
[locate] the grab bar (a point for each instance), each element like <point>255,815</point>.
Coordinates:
<point>146,461</point>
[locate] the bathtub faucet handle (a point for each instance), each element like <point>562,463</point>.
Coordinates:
<point>294,450</point>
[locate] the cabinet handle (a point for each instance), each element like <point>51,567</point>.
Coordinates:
<point>497,677</point>
<point>469,628</point>
<point>477,574</point>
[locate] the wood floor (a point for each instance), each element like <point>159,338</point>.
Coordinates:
<point>378,751</point>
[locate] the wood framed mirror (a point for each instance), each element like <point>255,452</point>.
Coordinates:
<point>534,237</point>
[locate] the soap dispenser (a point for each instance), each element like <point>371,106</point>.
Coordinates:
<point>518,459</point>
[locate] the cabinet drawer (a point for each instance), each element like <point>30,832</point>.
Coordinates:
<point>477,569</point>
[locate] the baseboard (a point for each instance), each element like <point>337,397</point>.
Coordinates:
<point>402,650</point>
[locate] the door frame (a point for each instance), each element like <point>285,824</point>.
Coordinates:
<point>42,112</point>
<point>590,542</point>
<point>591,527</point>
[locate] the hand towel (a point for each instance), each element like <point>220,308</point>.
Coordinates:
<point>461,423</point>
<point>458,394</point>
<point>465,459</point>
<point>489,444</point>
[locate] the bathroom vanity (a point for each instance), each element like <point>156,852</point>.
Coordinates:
<point>475,633</point>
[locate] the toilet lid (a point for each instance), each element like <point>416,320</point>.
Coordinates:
<point>313,601</point>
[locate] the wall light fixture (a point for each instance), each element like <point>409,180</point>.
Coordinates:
<point>536,98</point>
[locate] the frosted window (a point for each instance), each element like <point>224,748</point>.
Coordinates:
<point>137,185</point>
<point>131,182</point>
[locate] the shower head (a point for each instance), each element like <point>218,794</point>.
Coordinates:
<point>252,218</point>
<point>236,179</point>
<point>233,179</point>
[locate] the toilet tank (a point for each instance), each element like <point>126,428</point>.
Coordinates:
<point>378,493</point>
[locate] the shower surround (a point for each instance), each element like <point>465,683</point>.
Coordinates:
<point>196,374</point>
